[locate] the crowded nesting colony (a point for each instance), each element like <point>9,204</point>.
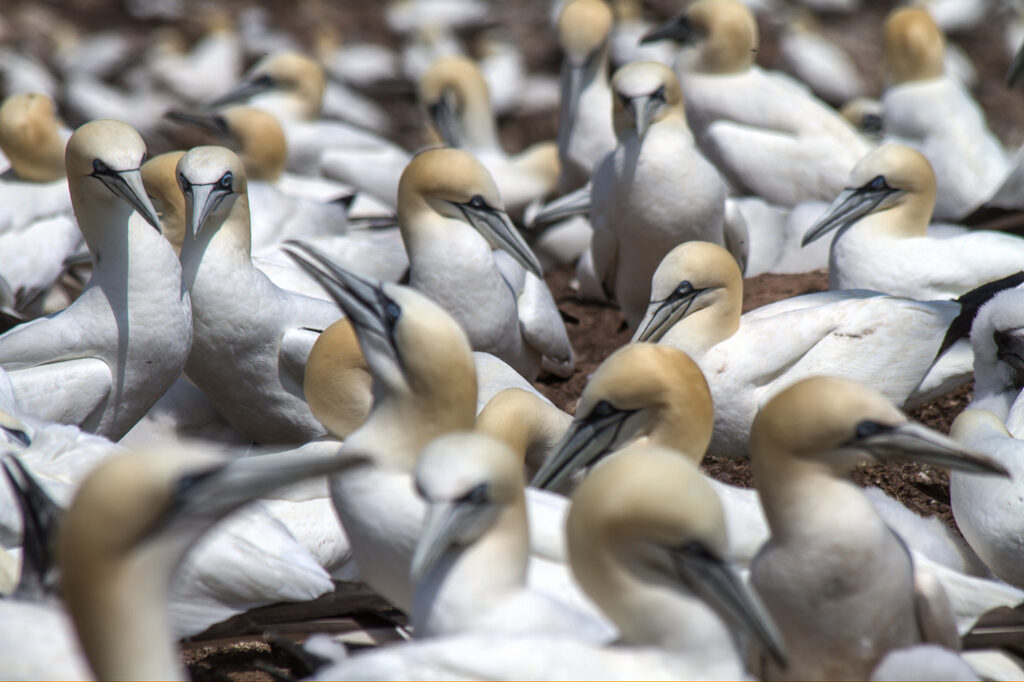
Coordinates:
<point>450,355</point>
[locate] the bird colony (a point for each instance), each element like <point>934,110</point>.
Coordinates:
<point>270,347</point>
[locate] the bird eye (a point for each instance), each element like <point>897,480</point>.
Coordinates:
<point>684,288</point>
<point>183,181</point>
<point>476,495</point>
<point>263,81</point>
<point>625,100</point>
<point>868,428</point>
<point>478,202</point>
<point>602,409</point>
<point>392,311</point>
<point>226,180</point>
<point>878,184</point>
<point>659,94</point>
<point>99,167</point>
<point>188,481</point>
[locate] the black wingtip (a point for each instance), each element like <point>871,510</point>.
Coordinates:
<point>971,303</point>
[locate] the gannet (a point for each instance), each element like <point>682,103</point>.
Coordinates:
<point>103,361</point>
<point>766,134</point>
<point>470,563</point>
<point>291,86</point>
<point>37,228</point>
<point>211,66</point>
<point>337,382</point>
<point>886,342</point>
<point>456,97</point>
<point>275,214</point>
<point>882,241</point>
<point>126,531</point>
<point>998,349</point>
<point>585,132</point>
<point>251,338</point>
<point>817,61</point>
<point>637,210</point>
<point>986,508</point>
<point>837,581</point>
<point>429,388</point>
<point>466,254</point>
<point>969,161</point>
<point>529,424</point>
<point>647,543</point>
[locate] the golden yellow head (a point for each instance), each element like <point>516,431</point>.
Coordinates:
<point>914,46</point>
<point>584,27</point>
<point>30,138</point>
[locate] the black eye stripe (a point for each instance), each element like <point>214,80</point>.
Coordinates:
<point>878,184</point>
<point>476,495</point>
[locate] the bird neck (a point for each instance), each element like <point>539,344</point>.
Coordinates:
<point>477,123</point>
<point>224,245</point>
<point>700,331</point>
<point>530,426</point>
<point>681,429</point>
<point>119,610</point>
<point>470,579</point>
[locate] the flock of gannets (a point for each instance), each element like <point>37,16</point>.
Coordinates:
<point>307,298</point>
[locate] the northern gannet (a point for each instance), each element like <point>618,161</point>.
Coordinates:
<point>455,95</point>
<point>637,210</point>
<point>529,424</point>
<point>206,70</point>
<point>647,543</point>
<point>838,582</point>
<point>766,134</point>
<point>987,509</point>
<point>969,161</point>
<point>103,361</point>
<point>251,337</point>
<point>882,240</point>
<point>585,131</point>
<point>471,561</point>
<point>465,253</point>
<point>423,380</point>
<point>126,531</point>
<point>886,342</point>
<point>37,228</point>
<point>337,383</point>
<point>291,86</point>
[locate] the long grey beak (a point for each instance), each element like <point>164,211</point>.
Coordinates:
<point>127,185</point>
<point>642,108</point>
<point>662,315</point>
<point>719,585</point>
<point>442,115</point>
<point>200,203</point>
<point>848,208</point>
<point>585,441</point>
<point>1010,347</point>
<point>573,76</point>
<point>443,524</point>
<point>497,228</point>
<point>41,519</point>
<point>912,441</point>
<point>364,301</point>
<point>677,28</point>
<point>208,123</point>
<point>243,91</point>
<point>1016,68</point>
<point>566,206</point>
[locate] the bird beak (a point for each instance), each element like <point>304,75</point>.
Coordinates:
<point>1010,347</point>
<point>721,587</point>
<point>677,28</point>
<point>442,115</point>
<point>201,201</point>
<point>642,109</point>
<point>206,495</point>
<point>243,92</point>
<point>40,519</point>
<point>572,204</point>
<point>211,124</point>
<point>574,75</point>
<point>443,526</point>
<point>912,441</point>
<point>363,301</point>
<point>497,228</point>
<point>662,315</point>
<point>585,441</point>
<point>1016,68</point>
<point>18,433</point>
<point>128,186</point>
<point>848,208</point>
